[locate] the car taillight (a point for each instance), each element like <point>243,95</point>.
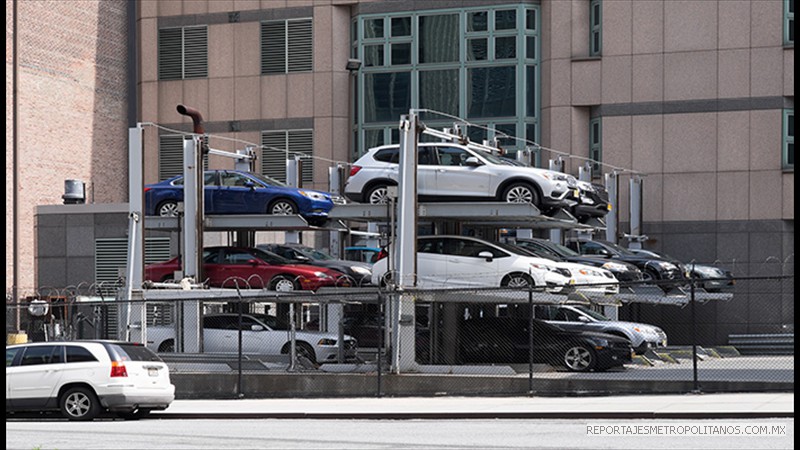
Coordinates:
<point>381,254</point>
<point>147,189</point>
<point>118,369</point>
<point>354,170</point>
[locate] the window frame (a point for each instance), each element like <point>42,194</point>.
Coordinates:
<point>788,23</point>
<point>596,146</point>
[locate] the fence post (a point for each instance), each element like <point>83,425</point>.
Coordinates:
<point>695,382</point>
<point>380,342</point>
<point>530,341</point>
<point>239,390</point>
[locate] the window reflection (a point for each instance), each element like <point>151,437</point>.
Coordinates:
<point>438,90</point>
<point>491,92</point>
<point>386,96</point>
<point>438,38</point>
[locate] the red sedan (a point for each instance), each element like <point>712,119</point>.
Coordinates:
<point>251,267</point>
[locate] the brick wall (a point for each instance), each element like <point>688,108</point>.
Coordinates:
<point>72,106</point>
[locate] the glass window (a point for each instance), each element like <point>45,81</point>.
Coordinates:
<point>478,21</point>
<point>596,24</point>
<point>434,246</point>
<point>438,90</point>
<point>386,96</point>
<point>389,155</point>
<point>491,91</point>
<point>530,19</point>
<point>595,144</point>
<point>788,139</point>
<point>438,38</point>
<point>505,47</point>
<point>11,353</point>
<point>373,138</point>
<point>477,134</point>
<point>237,257</point>
<point>530,91</point>
<point>452,156</point>
<point>477,49</point>
<point>530,47</point>
<point>401,26</point>
<point>505,20</point>
<point>79,354</point>
<point>40,354</point>
<point>373,28</point>
<point>401,54</point>
<point>373,55</point>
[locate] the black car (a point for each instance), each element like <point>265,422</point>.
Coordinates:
<point>361,273</point>
<point>623,271</point>
<point>506,340</point>
<point>593,202</point>
<point>712,278</point>
<point>653,269</point>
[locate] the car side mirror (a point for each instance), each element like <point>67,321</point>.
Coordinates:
<point>252,262</point>
<point>583,319</point>
<point>486,255</point>
<point>302,258</point>
<point>472,162</point>
<point>256,328</point>
<point>249,184</point>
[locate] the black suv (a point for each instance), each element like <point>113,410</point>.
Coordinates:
<point>506,340</point>
<point>653,269</point>
<point>622,270</point>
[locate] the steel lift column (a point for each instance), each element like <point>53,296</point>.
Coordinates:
<point>555,233</point>
<point>190,339</point>
<point>403,348</point>
<point>135,260</point>
<point>612,218</point>
<point>245,163</point>
<point>636,237</point>
<point>332,313</point>
<point>293,179</point>
<point>584,174</point>
<point>526,157</point>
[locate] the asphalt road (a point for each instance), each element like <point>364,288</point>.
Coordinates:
<point>373,434</point>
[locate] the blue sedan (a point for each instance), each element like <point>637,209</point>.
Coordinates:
<point>238,192</point>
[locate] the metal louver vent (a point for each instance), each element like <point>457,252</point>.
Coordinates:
<point>300,44</point>
<point>170,54</point>
<point>273,47</point>
<point>302,142</point>
<point>170,156</point>
<point>273,160</point>
<point>195,52</point>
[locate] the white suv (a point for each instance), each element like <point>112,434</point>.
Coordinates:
<point>85,378</point>
<point>461,261</point>
<point>448,171</point>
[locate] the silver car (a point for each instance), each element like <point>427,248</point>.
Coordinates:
<point>577,317</point>
<point>452,172</point>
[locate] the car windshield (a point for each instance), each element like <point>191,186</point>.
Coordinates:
<point>522,251</point>
<point>269,257</point>
<point>316,255</point>
<point>593,314</point>
<point>562,249</point>
<point>618,249</point>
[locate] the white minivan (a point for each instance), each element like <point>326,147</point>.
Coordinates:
<point>85,378</point>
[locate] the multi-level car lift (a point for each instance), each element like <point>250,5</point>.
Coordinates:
<point>406,214</point>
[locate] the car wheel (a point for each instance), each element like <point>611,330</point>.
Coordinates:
<point>167,346</point>
<point>518,280</point>
<point>283,283</point>
<point>168,208</point>
<point>80,403</point>
<point>377,195</point>
<point>521,193</point>
<point>282,207</point>
<point>136,414</point>
<point>579,358</point>
<point>303,349</point>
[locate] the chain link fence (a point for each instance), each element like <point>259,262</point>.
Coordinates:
<point>669,337</point>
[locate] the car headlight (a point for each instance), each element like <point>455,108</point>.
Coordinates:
<point>600,343</point>
<point>589,272</point>
<point>360,270</point>
<point>322,275</point>
<point>313,195</point>
<point>616,267</point>
<point>666,265</point>
<point>325,341</point>
<point>560,271</point>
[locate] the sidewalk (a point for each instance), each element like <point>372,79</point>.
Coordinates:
<point>683,406</point>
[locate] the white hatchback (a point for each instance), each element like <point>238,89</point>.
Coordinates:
<point>85,378</point>
<point>462,262</point>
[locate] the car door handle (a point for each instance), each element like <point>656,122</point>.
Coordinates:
<point>441,170</point>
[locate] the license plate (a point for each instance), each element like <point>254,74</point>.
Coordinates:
<point>152,371</point>
<point>577,193</point>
